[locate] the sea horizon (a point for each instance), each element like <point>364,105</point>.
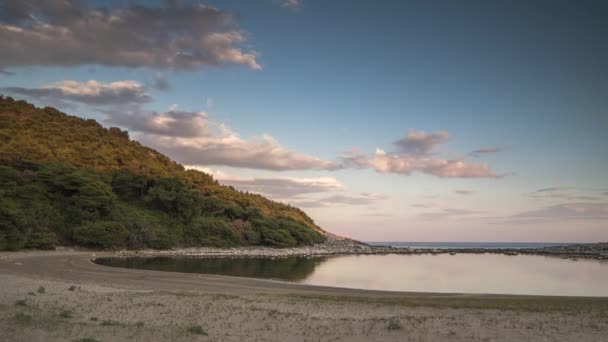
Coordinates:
<point>472,244</point>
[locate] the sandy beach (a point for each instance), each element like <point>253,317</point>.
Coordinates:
<point>63,296</point>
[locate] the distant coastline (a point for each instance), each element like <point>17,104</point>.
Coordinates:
<point>455,245</point>
<point>343,246</point>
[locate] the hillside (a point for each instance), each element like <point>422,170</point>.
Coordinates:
<point>69,181</point>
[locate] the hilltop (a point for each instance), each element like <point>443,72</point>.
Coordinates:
<point>65,180</point>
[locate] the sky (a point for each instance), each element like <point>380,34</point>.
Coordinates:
<point>383,120</point>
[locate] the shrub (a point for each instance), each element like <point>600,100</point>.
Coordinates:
<point>22,318</point>
<point>197,329</point>
<point>102,235</point>
<point>394,324</point>
<point>67,314</point>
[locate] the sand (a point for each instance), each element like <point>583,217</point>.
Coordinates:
<point>63,296</point>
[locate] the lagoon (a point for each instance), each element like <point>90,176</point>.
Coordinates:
<point>444,273</point>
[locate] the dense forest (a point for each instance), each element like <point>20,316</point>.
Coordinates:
<point>68,181</point>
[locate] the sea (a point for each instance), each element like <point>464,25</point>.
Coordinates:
<point>457,245</point>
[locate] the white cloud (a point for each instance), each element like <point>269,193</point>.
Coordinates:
<point>291,4</point>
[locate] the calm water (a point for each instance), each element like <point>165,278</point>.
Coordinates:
<point>456,245</point>
<point>462,273</point>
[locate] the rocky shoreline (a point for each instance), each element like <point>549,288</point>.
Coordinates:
<point>343,246</point>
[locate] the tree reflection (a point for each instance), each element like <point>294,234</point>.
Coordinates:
<point>289,268</point>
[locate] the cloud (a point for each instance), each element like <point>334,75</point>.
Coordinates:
<point>551,189</point>
<point>570,211</point>
<point>421,205</point>
<point>160,82</point>
<point>566,193</point>
<point>415,153</point>
<point>464,192</point>
<point>477,153</point>
<point>384,162</point>
<point>450,213</point>
<point>376,214</point>
<point>91,92</point>
<point>420,143</point>
<point>277,187</point>
<point>173,123</point>
<point>192,138</point>
<point>291,4</point>
<point>335,200</point>
<point>71,33</point>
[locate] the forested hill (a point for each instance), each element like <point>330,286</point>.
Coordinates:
<point>69,181</point>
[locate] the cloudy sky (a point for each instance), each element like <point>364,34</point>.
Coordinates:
<point>384,120</point>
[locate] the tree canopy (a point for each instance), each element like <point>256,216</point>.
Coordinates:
<point>69,181</point>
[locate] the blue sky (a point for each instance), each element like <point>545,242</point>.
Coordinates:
<point>426,82</point>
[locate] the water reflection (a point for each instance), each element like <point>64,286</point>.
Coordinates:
<point>290,269</point>
<point>461,273</point>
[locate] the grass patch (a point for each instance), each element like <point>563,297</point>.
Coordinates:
<point>22,318</point>
<point>41,290</point>
<point>67,314</point>
<point>94,319</point>
<point>21,302</point>
<point>394,324</point>
<point>197,330</point>
<point>139,324</point>
<point>86,339</point>
<point>31,293</point>
<point>72,288</point>
<point>481,302</point>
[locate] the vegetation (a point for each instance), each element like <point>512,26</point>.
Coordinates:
<point>394,324</point>
<point>67,314</point>
<point>23,318</point>
<point>86,339</point>
<point>197,329</point>
<point>69,181</point>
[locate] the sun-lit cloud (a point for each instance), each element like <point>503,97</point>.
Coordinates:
<point>72,33</point>
<point>416,153</point>
<point>90,92</point>
<point>192,138</point>
<point>384,162</point>
<point>275,187</point>
<point>340,199</point>
<point>173,123</point>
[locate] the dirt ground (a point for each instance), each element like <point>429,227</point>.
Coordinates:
<point>63,296</point>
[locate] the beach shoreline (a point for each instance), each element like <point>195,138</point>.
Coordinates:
<point>64,296</point>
